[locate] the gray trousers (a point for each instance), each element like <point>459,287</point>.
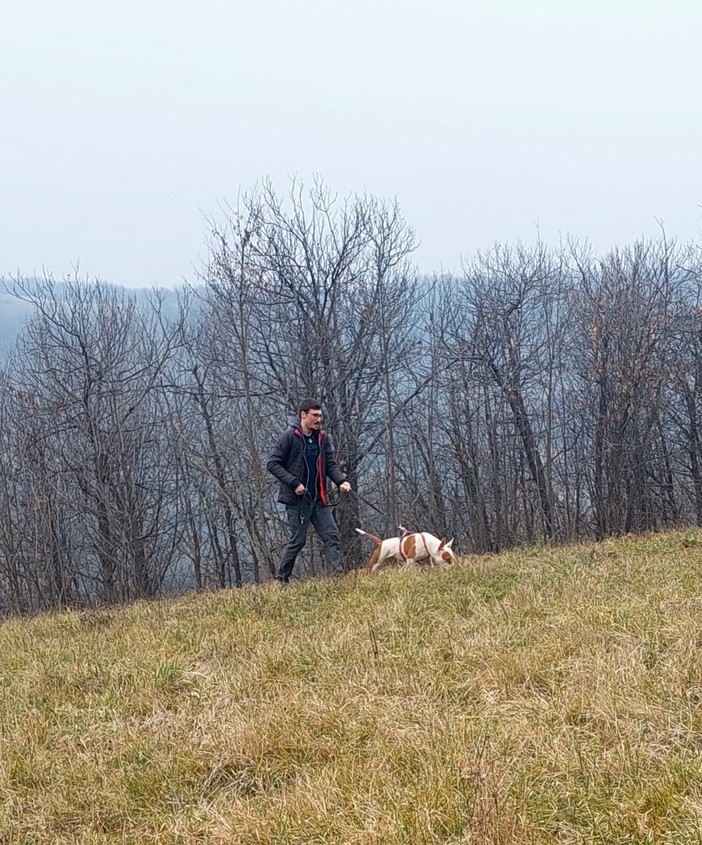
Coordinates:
<point>322,518</point>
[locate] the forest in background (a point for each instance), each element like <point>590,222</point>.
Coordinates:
<point>539,395</point>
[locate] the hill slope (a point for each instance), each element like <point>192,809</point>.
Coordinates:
<point>549,696</point>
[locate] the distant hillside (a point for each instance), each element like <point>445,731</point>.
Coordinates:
<point>15,312</point>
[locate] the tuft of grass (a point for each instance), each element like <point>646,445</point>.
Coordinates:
<point>547,696</point>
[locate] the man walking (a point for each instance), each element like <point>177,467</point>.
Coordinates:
<point>301,460</point>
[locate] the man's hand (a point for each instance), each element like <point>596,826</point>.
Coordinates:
<point>300,489</point>
<point>345,487</point>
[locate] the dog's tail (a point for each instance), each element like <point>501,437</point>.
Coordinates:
<point>372,537</point>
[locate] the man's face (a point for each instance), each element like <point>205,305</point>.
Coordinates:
<point>312,419</point>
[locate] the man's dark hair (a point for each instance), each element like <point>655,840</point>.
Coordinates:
<point>308,405</point>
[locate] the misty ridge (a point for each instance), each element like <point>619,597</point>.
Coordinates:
<point>538,395</point>
<point>16,311</point>
<point>13,315</point>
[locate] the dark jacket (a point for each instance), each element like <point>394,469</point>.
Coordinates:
<point>287,463</point>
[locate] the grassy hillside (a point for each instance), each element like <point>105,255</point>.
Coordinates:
<point>550,696</point>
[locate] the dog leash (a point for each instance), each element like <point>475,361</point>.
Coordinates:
<point>376,509</point>
<point>367,503</point>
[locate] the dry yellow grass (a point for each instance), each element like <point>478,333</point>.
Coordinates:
<point>542,696</point>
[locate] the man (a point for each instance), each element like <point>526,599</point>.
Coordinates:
<point>301,460</point>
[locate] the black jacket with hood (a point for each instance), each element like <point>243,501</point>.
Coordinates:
<point>287,463</point>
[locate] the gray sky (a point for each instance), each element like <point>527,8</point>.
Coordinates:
<point>124,125</point>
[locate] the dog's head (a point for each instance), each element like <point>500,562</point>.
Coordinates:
<point>445,552</point>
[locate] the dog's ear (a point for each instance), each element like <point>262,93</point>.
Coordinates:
<point>449,544</point>
<point>442,544</point>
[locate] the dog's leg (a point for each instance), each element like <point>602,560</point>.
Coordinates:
<point>373,563</point>
<point>407,562</point>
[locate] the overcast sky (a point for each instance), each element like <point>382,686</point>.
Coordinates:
<point>125,125</point>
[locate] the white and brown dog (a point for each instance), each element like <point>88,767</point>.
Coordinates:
<point>410,548</point>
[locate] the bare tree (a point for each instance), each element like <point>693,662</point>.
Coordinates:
<point>92,362</point>
<point>315,296</point>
